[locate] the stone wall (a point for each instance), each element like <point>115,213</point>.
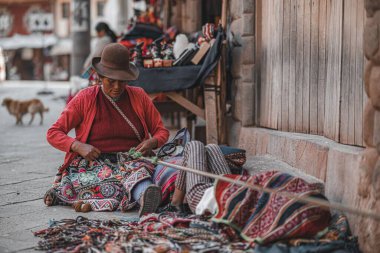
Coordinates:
<point>241,39</point>
<point>369,186</point>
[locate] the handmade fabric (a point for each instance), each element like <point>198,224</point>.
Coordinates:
<point>104,184</point>
<point>336,238</point>
<point>173,232</point>
<point>208,31</point>
<point>165,177</point>
<point>235,158</point>
<point>175,146</point>
<point>80,114</point>
<point>109,132</point>
<point>166,232</point>
<point>264,218</point>
<point>203,158</point>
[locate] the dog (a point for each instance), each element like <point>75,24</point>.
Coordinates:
<point>20,108</point>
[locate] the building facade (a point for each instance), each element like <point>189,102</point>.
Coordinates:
<point>300,92</point>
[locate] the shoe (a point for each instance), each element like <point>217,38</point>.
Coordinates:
<point>150,200</point>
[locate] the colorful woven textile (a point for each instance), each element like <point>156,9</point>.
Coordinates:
<point>165,177</point>
<point>102,183</point>
<point>171,232</point>
<point>167,232</point>
<point>263,218</point>
<point>337,238</point>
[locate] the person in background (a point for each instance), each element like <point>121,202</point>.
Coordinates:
<point>109,118</point>
<point>105,36</point>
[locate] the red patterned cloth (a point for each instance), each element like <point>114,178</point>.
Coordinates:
<point>262,217</point>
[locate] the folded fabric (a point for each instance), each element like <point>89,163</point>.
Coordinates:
<point>265,218</point>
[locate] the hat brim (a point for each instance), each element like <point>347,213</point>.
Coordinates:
<point>117,74</point>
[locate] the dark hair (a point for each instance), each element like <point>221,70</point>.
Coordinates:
<point>101,26</point>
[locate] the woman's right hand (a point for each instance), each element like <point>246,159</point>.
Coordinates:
<point>87,151</point>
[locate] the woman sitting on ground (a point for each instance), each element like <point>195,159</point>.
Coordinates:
<point>108,118</point>
<point>257,216</point>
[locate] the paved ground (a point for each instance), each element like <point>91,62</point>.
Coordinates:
<point>27,167</point>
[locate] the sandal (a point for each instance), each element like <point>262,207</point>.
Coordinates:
<point>79,206</point>
<point>150,200</point>
<point>51,196</point>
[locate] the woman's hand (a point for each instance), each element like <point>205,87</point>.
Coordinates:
<point>147,146</point>
<point>87,151</point>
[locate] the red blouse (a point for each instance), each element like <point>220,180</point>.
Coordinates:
<point>114,135</point>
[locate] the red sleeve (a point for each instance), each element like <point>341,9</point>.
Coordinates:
<point>68,120</point>
<point>153,120</point>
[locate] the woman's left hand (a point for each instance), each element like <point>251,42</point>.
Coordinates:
<point>147,146</point>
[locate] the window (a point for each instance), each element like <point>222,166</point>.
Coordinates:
<point>100,8</point>
<point>65,10</point>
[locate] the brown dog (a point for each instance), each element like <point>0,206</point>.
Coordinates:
<point>20,108</point>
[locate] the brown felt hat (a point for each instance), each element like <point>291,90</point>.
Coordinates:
<point>114,63</point>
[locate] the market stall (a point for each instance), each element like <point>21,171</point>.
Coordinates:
<point>199,69</point>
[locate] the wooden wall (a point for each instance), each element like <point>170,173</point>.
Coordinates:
<point>311,67</point>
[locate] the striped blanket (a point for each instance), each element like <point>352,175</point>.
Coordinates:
<point>263,218</point>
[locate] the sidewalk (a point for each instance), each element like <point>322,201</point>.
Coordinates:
<point>27,168</point>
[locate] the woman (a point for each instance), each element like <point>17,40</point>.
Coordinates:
<point>105,36</point>
<point>258,217</point>
<point>108,118</point>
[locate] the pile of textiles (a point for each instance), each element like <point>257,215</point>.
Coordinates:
<point>165,232</point>
<point>172,232</point>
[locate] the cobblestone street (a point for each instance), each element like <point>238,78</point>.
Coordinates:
<point>27,168</point>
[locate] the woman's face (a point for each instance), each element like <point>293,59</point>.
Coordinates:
<point>113,88</point>
<point>101,33</point>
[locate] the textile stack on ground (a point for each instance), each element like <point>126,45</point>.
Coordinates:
<point>173,232</point>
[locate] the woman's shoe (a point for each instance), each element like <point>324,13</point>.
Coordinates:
<point>150,200</point>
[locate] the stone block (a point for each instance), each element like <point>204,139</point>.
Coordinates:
<point>367,75</point>
<point>248,44</point>
<point>342,180</point>
<point>374,86</point>
<point>237,62</point>
<point>368,117</point>
<point>376,131</point>
<point>249,6</point>
<point>376,181</point>
<point>244,103</point>
<point>248,24</point>
<point>367,163</point>
<point>371,6</point>
<point>247,73</point>
<point>371,42</point>
<point>308,153</point>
